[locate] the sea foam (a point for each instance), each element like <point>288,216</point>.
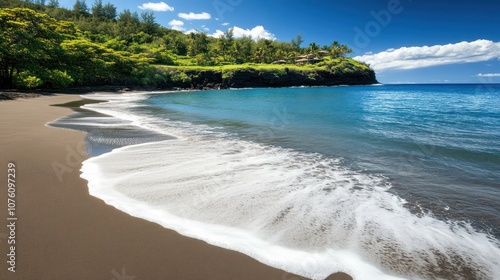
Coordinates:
<point>304,213</point>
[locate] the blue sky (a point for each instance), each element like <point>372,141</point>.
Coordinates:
<point>405,41</point>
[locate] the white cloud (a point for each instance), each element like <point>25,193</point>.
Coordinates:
<point>217,34</point>
<point>193,16</point>
<point>157,7</point>
<point>192,31</point>
<point>225,24</point>
<point>489,75</point>
<point>419,57</point>
<point>258,32</point>
<point>176,25</point>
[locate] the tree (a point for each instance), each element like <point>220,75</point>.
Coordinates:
<point>128,24</point>
<point>344,50</point>
<point>80,7</point>
<point>198,44</point>
<point>338,51</point>
<point>179,46</point>
<point>268,49</point>
<point>245,48</point>
<point>148,22</point>
<point>109,11</point>
<point>279,55</point>
<point>108,46</point>
<point>291,57</point>
<point>297,42</point>
<point>258,55</point>
<point>29,43</point>
<point>192,44</point>
<point>225,42</point>
<point>98,9</point>
<point>53,4</point>
<point>84,60</point>
<point>313,48</point>
<point>282,50</point>
<point>235,52</point>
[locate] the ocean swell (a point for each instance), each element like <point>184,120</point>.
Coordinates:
<point>302,212</point>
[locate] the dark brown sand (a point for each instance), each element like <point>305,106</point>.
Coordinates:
<point>64,233</point>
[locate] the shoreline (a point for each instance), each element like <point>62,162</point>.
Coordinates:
<point>63,232</point>
<point>14,94</point>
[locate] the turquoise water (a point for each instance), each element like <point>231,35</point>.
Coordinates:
<point>439,145</point>
<point>381,182</point>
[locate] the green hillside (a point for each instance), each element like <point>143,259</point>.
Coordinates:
<point>44,46</point>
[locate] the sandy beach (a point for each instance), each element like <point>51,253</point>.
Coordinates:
<point>62,232</point>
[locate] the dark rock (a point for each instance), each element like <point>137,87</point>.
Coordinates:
<point>258,78</point>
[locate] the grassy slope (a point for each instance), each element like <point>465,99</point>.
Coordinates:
<point>327,72</point>
<point>340,65</point>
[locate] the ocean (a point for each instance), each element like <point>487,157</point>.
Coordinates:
<point>380,182</point>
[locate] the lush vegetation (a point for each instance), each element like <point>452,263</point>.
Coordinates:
<point>42,45</point>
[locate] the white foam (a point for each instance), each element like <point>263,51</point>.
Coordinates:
<point>299,212</point>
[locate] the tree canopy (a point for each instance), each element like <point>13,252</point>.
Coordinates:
<point>42,45</point>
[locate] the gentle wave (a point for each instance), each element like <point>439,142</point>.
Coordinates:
<point>301,212</point>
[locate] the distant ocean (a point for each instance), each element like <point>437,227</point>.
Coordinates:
<point>381,182</point>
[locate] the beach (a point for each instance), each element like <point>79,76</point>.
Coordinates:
<point>64,233</point>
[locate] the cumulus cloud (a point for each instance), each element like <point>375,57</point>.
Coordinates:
<point>176,25</point>
<point>225,24</point>
<point>193,16</point>
<point>217,34</point>
<point>490,75</point>
<point>157,7</point>
<point>192,31</point>
<point>258,32</point>
<point>419,57</point>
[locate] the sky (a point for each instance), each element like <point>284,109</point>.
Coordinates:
<point>405,41</point>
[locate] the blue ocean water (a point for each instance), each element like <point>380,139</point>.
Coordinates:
<point>439,145</point>
<point>382,182</point>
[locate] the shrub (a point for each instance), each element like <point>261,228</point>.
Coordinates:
<point>179,77</point>
<point>58,79</point>
<point>27,80</point>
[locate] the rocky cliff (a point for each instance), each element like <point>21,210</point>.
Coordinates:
<point>251,77</point>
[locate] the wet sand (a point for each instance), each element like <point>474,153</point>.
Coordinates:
<point>64,233</point>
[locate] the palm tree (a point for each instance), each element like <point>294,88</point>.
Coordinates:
<point>192,44</point>
<point>258,55</point>
<point>313,48</point>
<point>280,54</point>
<point>338,51</point>
<point>313,51</point>
<point>344,50</point>
<point>235,52</point>
<point>292,56</point>
<point>268,49</point>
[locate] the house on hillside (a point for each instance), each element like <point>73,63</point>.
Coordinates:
<point>323,53</point>
<point>307,59</point>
